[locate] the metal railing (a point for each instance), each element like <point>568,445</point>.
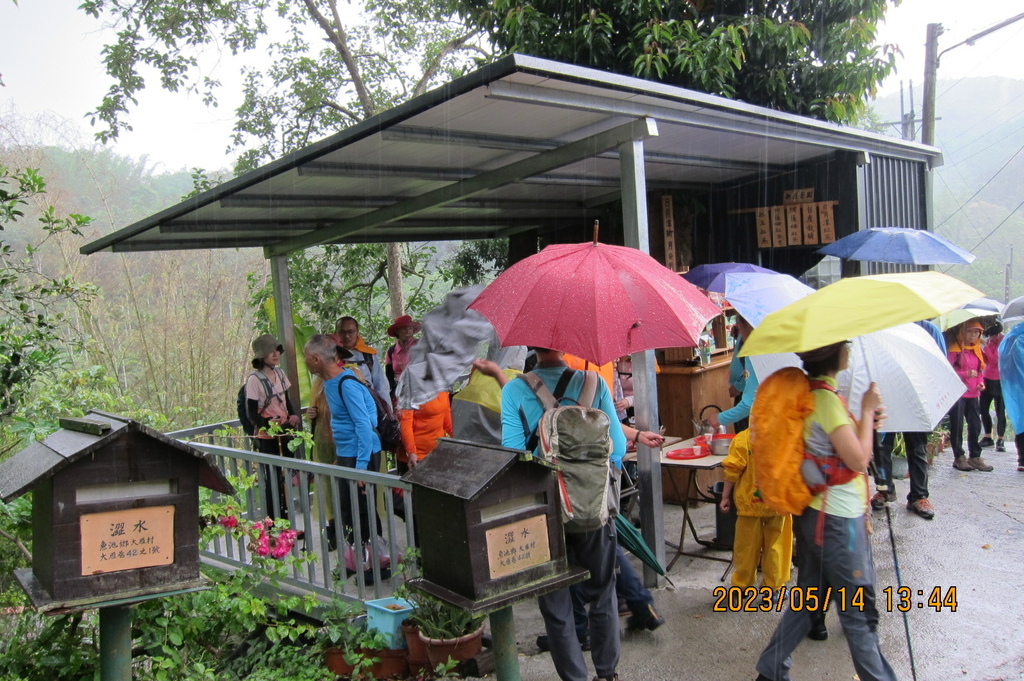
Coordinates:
<point>313,496</point>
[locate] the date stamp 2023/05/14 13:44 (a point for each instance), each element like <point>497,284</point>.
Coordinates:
<point>814,598</point>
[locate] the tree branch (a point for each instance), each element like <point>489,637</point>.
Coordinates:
<point>435,64</point>
<point>17,542</point>
<point>340,42</point>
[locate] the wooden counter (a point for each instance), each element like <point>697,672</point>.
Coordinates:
<point>683,391</point>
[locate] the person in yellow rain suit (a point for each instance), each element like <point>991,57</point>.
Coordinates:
<point>762,535</point>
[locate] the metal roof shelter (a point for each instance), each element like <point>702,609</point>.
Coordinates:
<point>526,146</point>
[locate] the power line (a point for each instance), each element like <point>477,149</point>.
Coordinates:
<point>987,182</point>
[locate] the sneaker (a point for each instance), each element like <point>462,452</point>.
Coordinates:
<point>986,441</point>
<point>1000,445</point>
<point>1020,468</point>
<point>647,619</point>
<point>613,677</point>
<point>881,498</point>
<point>922,507</point>
<point>960,463</point>
<point>978,464</point>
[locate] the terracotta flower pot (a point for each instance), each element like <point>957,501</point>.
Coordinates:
<point>391,663</point>
<point>334,658</point>
<point>459,649</point>
<point>416,650</point>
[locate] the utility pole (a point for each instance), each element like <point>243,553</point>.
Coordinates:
<point>1009,276</point>
<point>931,67</point>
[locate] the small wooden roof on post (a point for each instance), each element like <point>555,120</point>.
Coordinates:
<point>79,438</point>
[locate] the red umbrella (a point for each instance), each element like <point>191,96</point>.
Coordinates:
<point>595,301</point>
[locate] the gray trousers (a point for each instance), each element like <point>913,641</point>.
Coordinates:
<point>594,551</point>
<point>843,560</point>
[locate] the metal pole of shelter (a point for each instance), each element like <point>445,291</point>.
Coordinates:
<point>116,643</point>
<point>283,320</point>
<point>635,231</point>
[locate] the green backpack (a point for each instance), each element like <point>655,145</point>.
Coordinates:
<point>575,441</point>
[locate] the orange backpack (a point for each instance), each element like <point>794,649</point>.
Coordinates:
<point>782,403</point>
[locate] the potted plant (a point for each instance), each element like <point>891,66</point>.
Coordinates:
<point>937,441</point>
<point>380,661</point>
<point>900,465</point>
<point>416,649</point>
<point>446,631</point>
<point>340,638</point>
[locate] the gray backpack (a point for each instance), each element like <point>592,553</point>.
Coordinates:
<point>575,441</point>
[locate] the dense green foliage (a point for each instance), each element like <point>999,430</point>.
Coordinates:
<point>329,66</point>
<point>815,58</point>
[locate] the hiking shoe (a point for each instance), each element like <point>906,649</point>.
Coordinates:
<point>613,677</point>
<point>881,498</point>
<point>542,643</point>
<point>922,507</point>
<point>986,441</point>
<point>648,618</point>
<point>1000,445</point>
<point>960,463</point>
<point>818,632</point>
<point>1020,468</point>
<point>978,464</point>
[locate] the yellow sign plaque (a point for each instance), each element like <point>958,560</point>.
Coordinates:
<point>126,540</point>
<point>517,546</point>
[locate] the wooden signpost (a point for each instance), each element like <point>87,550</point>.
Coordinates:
<point>115,521</point>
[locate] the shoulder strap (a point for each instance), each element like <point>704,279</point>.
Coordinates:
<point>588,394</point>
<point>547,399</point>
<point>268,388</point>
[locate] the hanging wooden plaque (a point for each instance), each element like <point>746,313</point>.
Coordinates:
<point>810,222</point>
<point>668,227</point>
<point>778,226</point>
<point>764,228</point>
<point>791,196</point>
<point>794,236</point>
<point>826,221</point>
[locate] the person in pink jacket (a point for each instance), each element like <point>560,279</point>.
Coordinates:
<point>969,363</point>
<point>992,394</point>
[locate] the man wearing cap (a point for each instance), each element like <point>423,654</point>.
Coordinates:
<point>403,330</point>
<point>368,366</point>
<point>267,402</point>
<point>353,416</point>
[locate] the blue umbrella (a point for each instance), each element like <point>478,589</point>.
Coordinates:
<point>898,245</point>
<point>706,276</point>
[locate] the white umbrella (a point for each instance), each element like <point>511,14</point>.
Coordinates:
<point>917,384</point>
<point>755,295</point>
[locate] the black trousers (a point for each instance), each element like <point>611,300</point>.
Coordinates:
<point>965,408</point>
<point>277,446</point>
<point>993,394</point>
<point>917,458</point>
<point>362,503</point>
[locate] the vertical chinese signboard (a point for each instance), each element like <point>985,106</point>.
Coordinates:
<point>127,540</point>
<point>668,226</point>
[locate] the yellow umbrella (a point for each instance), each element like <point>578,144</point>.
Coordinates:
<point>855,306</point>
<point>961,315</point>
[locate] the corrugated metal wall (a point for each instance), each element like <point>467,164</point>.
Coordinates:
<point>894,195</point>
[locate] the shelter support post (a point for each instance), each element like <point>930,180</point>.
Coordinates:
<point>503,635</point>
<point>284,322</point>
<point>116,643</point>
<point>645,389</point>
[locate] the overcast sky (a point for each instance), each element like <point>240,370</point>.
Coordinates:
<point>50,63</point>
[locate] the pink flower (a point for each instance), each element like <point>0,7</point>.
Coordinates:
<point>229,521</point>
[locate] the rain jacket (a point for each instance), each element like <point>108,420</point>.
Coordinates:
<point>421,427</point>
<point>1011,369</point>
<point>965,359</point>
<point>739,470</point>
<point>990,351</point>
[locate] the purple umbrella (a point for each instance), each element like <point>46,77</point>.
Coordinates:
<point>708,277</point>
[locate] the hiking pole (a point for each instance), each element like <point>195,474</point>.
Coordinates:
<point>899,582</point>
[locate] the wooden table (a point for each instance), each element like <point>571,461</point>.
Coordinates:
<point>691,466</point>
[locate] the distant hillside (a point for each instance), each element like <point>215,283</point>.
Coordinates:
<point>980,129</point>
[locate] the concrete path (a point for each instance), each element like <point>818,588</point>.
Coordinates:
<point>975,544</point>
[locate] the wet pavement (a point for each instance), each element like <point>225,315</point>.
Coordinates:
<point>975,544</point>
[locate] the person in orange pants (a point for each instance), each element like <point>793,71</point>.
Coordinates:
<point>762,536</point>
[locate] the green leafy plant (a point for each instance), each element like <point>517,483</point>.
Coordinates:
<point>438,619</point>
